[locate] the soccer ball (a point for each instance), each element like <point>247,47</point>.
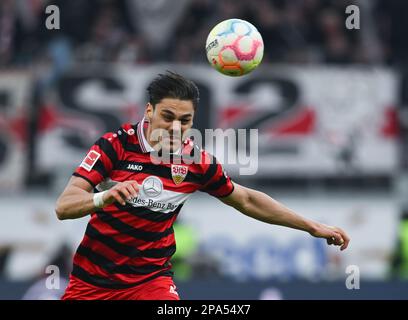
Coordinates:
<point>234,47</point>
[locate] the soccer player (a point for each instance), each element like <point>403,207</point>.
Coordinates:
<point>133,201</point>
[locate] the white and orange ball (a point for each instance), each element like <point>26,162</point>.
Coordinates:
<point>234,47</point>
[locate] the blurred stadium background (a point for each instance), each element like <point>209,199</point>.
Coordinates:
<point>330,105</point>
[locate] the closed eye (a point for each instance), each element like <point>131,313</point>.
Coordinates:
<point>185,121</point>
<point>168,118</point>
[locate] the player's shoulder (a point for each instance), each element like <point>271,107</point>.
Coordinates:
<point>126,129</point>
<point>191,148</point>
<point>126,133</point>
<point>199,155</point>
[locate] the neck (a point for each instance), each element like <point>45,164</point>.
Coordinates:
<point>147,133</point>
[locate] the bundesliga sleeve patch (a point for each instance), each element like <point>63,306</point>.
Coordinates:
<point>90,160</point>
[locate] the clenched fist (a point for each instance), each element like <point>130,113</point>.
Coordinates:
<point>121,192</point>
<point>333,235</point>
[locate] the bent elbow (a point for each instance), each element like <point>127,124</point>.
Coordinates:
<point>60,212</point>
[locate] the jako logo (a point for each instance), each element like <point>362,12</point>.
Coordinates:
<point>135,167</point>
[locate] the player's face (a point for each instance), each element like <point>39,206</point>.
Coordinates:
<point>169,119</point>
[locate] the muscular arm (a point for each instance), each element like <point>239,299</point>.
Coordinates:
<point>260,206</point>
<point>76,201</point>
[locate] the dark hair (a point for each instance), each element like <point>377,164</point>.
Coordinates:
<point>172,85</point>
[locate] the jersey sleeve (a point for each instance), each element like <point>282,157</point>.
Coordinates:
<point>100,159</point>
<point>216,181</point>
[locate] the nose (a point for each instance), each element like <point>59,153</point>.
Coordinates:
<point>176,126</point>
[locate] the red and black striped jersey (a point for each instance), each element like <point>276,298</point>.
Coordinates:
<point>127,245</point>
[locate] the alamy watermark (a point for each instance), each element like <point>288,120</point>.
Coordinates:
<point>353,18</point>
<point>52,282</point>
<point>230,146</point>
<point>52,22</point>
<point>353,278</point>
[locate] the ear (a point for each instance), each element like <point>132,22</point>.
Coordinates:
<point>149,111</point>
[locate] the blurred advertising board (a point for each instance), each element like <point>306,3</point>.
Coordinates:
<point>239,247</point>
<point>247,249</point>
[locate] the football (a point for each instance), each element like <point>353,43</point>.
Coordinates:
<point>234,47</point>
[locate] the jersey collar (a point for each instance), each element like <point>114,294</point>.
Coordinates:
<point>144,145</point>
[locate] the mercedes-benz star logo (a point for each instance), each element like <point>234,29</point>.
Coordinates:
<point>152,186</point>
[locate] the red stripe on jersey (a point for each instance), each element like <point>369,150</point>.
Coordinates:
<point>117,258</point>
<point>220,184</point>
<point>140,222</point>
<point>106,161</point>
<point>115,142</point>
<point>94,176</point>
<point>95,270</point>
<point>216,176</point>
<point>144,224</point>
<point>125,239</point>
<point>139,157</point>
<point>91,268</point>
<point>223,191</point>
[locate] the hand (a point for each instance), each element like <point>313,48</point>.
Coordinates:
<point>333,235</point>
<point>121,192</point>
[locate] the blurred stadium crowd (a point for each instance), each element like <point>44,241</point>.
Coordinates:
<point>299,31</point>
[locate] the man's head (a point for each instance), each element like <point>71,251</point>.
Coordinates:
<point>170,111</point>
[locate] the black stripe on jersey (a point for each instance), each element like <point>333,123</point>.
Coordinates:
<point>136,233</point>
<point>111,267</point>
<point>127,250</point>
<point>217,184</point>
<point>226,195</point>
<point>85,178</point>
<point>212,169</point>
<point>108,149</point>
<point>133,147</point>
<point>127,146</point>
<point>157,170</point>
<point>144,213</point>
<point>99,166</point>
<point>193,177</point>
<point>123,136</point>
<point>102,282</point>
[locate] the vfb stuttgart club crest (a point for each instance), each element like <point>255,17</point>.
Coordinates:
<point>178,173</point>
